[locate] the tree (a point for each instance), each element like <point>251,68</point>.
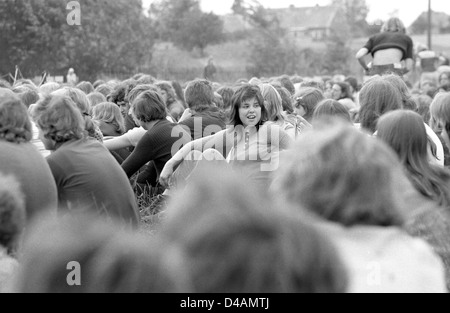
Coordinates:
<point>183,23</point>
<point>35,35</point>
<point>356,12</point>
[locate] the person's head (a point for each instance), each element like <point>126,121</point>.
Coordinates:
<point>306,101</point>
<point>59,120</point>
<point>341,90</point>
<point>272,102</point>
<point>218,101</point>
<point>236,240</point>
<point>71,71</point>
<point>48,88</point>
<point>407,102</point>
<point>442,102</point>
<point>95,98</point>
<point>404,131</point>
<point>330,108</point>
<point>423,106</point>
<point>436,122</point>
<point>377,97</point>
<point>15,125</point>
<point>353,83</point>
<point>28,97</point>
<point>98,83</point>
<point>109,113</point>
<point>148,107</point>
<point>227,94</point>
<point>428,87</point>
<point>286,99</point>
<point>12,212</point>
<point>444,78</point>
<point>444,88</point>
<point>100,256</point>
<point>393,25</point>
<point>86,87</point>
<point>248,107</point>
<point>287,83</point>
<point>146,80</point>
<point>167,92</point>
<point>104,89</point>
<point>199,95</point>
<point>324,174</point>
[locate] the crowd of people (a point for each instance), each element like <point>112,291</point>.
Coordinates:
<point>282,184</point>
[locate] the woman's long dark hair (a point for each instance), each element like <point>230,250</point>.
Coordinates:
<point>405,132</point>
<point>243,93</point>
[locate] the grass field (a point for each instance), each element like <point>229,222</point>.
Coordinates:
<point>231,58</point>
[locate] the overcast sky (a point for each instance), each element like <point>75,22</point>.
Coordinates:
<point>408,10</point>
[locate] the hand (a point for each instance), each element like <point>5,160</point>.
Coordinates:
<point>166,175</point>
<point>186,114</point>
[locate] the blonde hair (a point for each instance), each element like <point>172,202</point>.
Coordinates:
<point>273,102</point>
<point>393,25</point>
<point>109,113</point>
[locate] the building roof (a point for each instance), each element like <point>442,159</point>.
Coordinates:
<point>306,17</point>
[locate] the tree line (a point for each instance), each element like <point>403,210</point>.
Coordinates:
<point>119,37</point>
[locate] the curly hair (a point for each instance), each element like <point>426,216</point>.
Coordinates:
<point>59,119</point>
<point>15,125</point>
<point>12,211</point>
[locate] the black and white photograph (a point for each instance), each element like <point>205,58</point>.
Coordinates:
<point>224,154</point>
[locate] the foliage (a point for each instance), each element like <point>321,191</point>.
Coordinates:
<point>440,23</point>
<point>184,24</point>
<point>35,35</point>
<point>356,12</point>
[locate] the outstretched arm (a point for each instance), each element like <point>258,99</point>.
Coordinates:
<point>196,145</point>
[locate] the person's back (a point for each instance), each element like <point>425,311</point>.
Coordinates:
<point>90,179</point>
<point>19,157</point>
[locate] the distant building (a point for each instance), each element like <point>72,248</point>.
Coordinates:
<point>315,22</point>
<point>440,23</point>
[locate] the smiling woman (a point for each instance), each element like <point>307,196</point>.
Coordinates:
<point>250,145</point>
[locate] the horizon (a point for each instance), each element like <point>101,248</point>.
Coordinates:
<point>408,11</point>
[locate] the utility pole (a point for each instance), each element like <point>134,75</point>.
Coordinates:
<point>430,25</point>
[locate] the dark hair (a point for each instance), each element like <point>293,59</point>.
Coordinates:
<point>331,108</point>
<point>149,106</point>
<point>377,97</point>
<point>227,95</point>
<point>286,99</point>
<point>287,83</point>
<point>405,132</point>
<point>353,82</point>
<point>345,91</point>
<point>199,95</point>
<point>242,94</point>
<point>29,97</point>
<point>308,98</point>
<point>423,106</point>
<point>179,92</point>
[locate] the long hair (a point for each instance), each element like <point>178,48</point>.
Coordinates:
<point>394,25</point>
<point>331,108</point>
<point>308,98</point>
<point>377,97</point>
<point>15,125</point>
<point>436,121</point>
<point>273,102</point>
<point>407,102</point>
<point>345,90</point>
<point>242,94</point>
<point>405,132</point>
